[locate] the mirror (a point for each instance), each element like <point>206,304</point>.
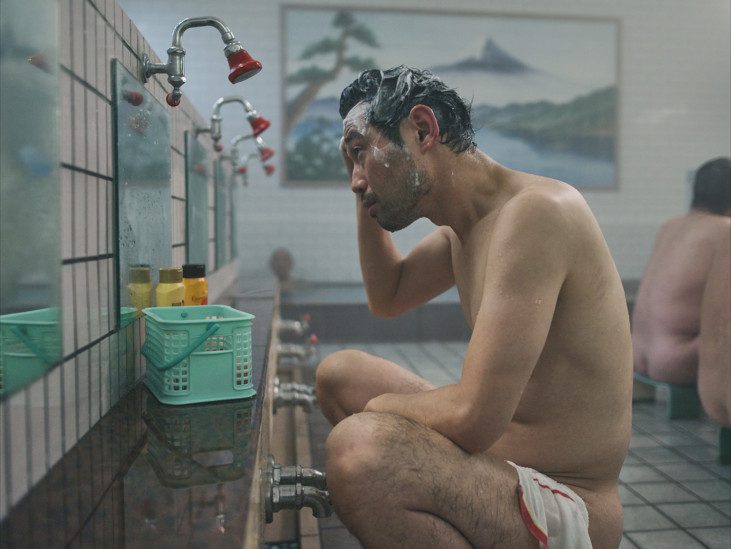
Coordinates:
<point>197,174</point>
<point>222,170</point>
<point>142,172</point>
<point>30,247</point>
<point>233,200</point>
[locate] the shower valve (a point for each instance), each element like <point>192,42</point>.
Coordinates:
<point>296,387</point>
<point>295,487</point>
<point>291,397</point>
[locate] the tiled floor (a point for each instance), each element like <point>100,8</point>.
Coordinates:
<point>674,493</point>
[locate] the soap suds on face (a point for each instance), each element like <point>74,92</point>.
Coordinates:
<point>415,180</point>
<point>383,154</point>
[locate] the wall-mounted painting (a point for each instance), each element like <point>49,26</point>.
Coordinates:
<point>544,91</point>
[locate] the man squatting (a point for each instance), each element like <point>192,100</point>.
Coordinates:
<point>525,450</point>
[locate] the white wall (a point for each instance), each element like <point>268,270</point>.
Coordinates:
<point>674,114</point>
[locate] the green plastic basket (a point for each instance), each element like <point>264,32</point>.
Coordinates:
<point>198,354</point>
<point>30,343</point>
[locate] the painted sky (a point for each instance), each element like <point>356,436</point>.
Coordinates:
<point>578,53</point>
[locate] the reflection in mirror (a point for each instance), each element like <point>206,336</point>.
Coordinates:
<point>222,179</point>
<point>197,170</point>
<point>30,254</point>
<point>143,178</point>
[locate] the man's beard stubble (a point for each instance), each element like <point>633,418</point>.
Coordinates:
<point>401,210</point>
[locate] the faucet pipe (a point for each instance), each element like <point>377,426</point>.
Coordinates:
<point>295,487</point>
<point>242,65</point>
<point>258,122</point>
<point>295,497</point>
<point>265,152</point>
<point>293,387</point>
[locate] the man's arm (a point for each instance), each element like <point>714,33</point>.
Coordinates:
<point>395,284</point>
<point>527,264</point>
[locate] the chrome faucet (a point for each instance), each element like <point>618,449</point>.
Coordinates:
<point>242,65</point>
<point>297,354</point>
<point>294,329</point>
<point>240,165</point>
<point>258,122</point>
<point>295,487</point>
<point>293,394</point>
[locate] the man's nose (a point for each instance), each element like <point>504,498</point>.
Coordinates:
<point>358,182</point>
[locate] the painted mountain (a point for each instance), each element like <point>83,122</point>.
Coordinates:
<point>492,59</point>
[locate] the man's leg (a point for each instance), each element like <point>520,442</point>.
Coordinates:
<point>347,380</point>
<point>396,483</point>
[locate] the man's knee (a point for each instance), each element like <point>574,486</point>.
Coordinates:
<point>358,450</point>
<point>332,372</point>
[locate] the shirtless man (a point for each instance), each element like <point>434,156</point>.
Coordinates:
<point>546,380</point>
<point>667,311</point>
<point>714,353</point>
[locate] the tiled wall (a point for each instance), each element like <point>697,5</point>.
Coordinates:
<point>674,114</point>
<point>101,363</point>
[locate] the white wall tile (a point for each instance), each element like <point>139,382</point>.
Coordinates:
<point>92,216</point>
<point>19,475</point>
<point>83,380</point>
<point>37,430</point>
<point>55,426</point>
<point>68,378</point>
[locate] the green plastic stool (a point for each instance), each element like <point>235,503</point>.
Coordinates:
<point>724,446</point>
<point>683,400</point>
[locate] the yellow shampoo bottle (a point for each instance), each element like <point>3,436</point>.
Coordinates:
<point>170,292</point>
<point>196,285</point>
<point>139,287</point>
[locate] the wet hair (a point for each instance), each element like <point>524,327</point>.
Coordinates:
<point>392,94</point>
<point>712,186</point>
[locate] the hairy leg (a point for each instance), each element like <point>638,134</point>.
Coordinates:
<point>347,380</point>
<point>396,483</point>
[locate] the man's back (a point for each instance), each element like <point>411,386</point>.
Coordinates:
<point>666,316</point>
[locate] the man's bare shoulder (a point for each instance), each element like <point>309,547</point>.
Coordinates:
<point>546,202</point>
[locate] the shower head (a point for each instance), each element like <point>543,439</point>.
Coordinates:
<point>218,147</point>
<point>269,169</point>
<point>265,153</point>
<point>258,123</point>
<point>242,169</point>
<point>242,65</point>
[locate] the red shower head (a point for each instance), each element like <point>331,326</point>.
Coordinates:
<point>243,66</point>
<point>242,169</point>
<point>265,153</point>
<point>217,147</point>
<point>313,339</point>
<point>269,169</point>
<point>171,100</point>
<point>259,124</point>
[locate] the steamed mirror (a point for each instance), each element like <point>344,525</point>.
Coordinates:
<point>223,220</point>
<point>197,175</point>
<point>234,197</point>
<point>143,176</point>
<point>30,253</point>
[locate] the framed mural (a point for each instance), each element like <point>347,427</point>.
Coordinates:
<point>544,91</point>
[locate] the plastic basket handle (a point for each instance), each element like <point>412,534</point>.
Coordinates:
<point>210,330</point>
<point>35,349</point>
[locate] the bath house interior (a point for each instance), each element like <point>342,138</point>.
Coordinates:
<point>139,137</point>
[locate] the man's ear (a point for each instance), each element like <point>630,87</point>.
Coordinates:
<point>426,126</point>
